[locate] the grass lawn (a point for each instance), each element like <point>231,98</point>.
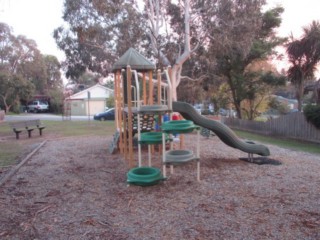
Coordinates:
<point>11,148</point>
<point>80,128</point>
<point>284,143</point>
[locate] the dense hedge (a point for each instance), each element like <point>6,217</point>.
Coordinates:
<point>312,114</point>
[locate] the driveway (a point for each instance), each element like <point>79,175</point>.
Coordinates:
<point>43,116</point>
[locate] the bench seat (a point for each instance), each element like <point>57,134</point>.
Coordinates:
<point>28,125</point>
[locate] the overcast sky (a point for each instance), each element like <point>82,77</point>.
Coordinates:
<point>36,19</point>
<point>297,14</point>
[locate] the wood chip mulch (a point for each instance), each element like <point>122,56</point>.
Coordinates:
<point>73,188</point>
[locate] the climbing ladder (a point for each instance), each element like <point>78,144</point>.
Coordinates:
<point>164,105</point>
<point>181,156</point>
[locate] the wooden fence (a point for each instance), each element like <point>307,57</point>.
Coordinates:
<point>293,126</point>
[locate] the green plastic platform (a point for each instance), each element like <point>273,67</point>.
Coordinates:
<point>178,126</point>
<point>152,138</point>
<point>144,176</point>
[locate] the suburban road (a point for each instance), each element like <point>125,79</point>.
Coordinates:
<point>43,116</point>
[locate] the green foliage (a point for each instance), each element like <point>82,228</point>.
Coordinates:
<point>190,92</point>
<point>110,102</point>
<point>277,106</point>
<point>24,71</point>
<point>245,48</point>
<point>52,67</point>
<point>109,84</point>
<point>14,88</point>
<point>222,98</point>
<point>96,33</point>
<point>312,114</point>
<point>56,100</point>
<point>273,80</point>
<point>87,79</point>
<point>304,55</point>
<point>16,108</point>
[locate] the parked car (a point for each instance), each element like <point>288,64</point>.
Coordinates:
<point>38,106</point>
<point>293,111</point>
<point>223,112</point>
<point>107,115</point>
<point>198,108</point>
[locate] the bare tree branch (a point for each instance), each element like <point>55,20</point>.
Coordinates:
<point>194,79</point>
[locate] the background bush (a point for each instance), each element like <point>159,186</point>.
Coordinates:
<point>312,114</point>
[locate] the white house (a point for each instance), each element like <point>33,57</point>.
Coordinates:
<point>89,101</point>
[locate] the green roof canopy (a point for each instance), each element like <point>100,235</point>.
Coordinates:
<point>135,60</point>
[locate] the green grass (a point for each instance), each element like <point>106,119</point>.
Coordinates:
<point>9,154</point>
<point>80,128</point>
<point>10,150</point>
<point>284,143</point>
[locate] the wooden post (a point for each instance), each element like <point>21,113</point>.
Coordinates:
<point>124,119</point>
<point>125,135</point>
<point>170,93</point>
<point>159,102</point>
<point>159,86</point>
<point>150,88</point>
<point>119,108</point>
<point>117,98</point>
<point>144,82</point>
<point>130,127</point>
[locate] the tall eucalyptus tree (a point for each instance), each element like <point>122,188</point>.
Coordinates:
<point>96,33</point>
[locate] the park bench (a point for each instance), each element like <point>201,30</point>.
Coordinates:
<point>28,125</point>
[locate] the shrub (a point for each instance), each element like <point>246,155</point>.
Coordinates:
<point>312,114</point>
<point>56,100</point>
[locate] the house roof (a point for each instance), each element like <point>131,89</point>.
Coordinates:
<point>135,60</point>
<point>92,90</point>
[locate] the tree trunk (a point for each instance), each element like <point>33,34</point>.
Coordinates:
<point>7,107</point>
<point>236,101</point>
<point>156,18</point>
<point>237,104</point>
<point>299,95</point>
<point>175,80</point>
<point>238,109</point>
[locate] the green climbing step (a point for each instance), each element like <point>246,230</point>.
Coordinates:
<point>152,138</point>
<point>144,176</point>
<point>179,156</point>
<point>178,126</point>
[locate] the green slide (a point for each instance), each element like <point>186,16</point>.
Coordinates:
<point>222,131</point>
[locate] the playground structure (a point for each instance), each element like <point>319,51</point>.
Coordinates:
<point>138,103</point>
<point>142,97</point>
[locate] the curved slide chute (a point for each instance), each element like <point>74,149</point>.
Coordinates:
<point>222,131</point>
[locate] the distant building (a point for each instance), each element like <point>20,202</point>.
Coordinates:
<point>89,101</point>
<point>291,103</point>
<point>313,88</point>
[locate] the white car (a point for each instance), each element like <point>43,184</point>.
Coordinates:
<point>38,106</point>
<point>198,108</point>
